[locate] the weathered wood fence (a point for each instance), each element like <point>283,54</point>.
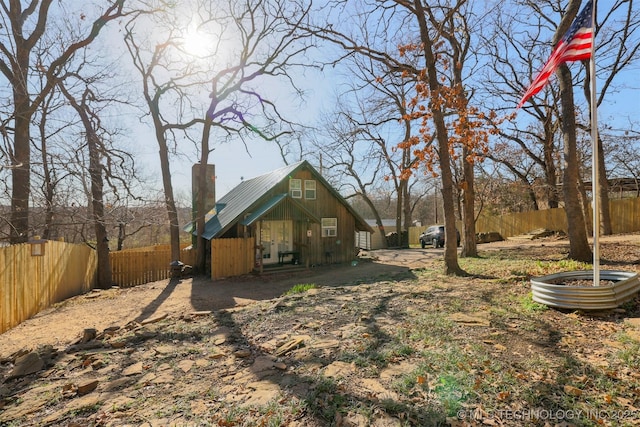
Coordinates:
<point>625,218</point>
<point>30,283</point>
<point>132,267</point>
<point>232,257</point>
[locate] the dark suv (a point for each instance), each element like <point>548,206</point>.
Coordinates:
<point>434,236</point>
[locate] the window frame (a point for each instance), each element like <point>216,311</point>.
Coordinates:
<point>314,185</point>
<point>295,191</point>
<point>331,229</point>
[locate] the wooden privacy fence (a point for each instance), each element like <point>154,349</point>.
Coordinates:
<point>232,257</point>
<point>625,218</point>
<point>132,267</point>
<point>29,284</point>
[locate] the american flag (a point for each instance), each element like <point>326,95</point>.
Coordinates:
<point>575,45</point>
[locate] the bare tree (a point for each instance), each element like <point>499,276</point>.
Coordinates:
<point>271,39</point>
<point>53,170</point>
<point>164,80</point>
<point>579,248</point>
<point>618,47</point>
<point>254,41</point>
<point>519,43</point>
<point>415,17</point>
<point>531,153</point>
<point>22,28</point>
<point>625,160</point>
<point>366,142</point>
<point>91,124</point>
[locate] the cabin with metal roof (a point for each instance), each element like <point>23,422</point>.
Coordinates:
<point>290,216</point>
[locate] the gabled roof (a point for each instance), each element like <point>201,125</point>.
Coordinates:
<point>246,197</point>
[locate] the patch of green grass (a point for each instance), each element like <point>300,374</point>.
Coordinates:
<point>431,328</point>
<point>446,373</point>
<point>235,415</point>
<point>301,288</point>
<point>325,401</point>
<point>530,306</point>
<point>377,357</point>
<point>630,355</point>
<point>452,391</point>
<point>360,360</point>
<point>277,412</point>
<point>14,423</point>
<point>549,267</point>
<point>85,410</point>
<point>417,378</point>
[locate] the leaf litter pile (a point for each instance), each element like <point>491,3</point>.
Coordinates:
<point>415,348</point>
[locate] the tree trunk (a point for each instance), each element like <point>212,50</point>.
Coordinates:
<point>170,204</point>
<point>606,228</point>
<point>469,246</point>
<point>104,279</point>
<point>21,171</point>
<point>200,202</point>
<point>121,235</point>
<point>49,192</point>
<point>550,172</point>
<point>165,168</point>
<point>579,248</point>
<point>450,247</point>
<point>399,204</point>
<point>603,184</point>
<point>406,214</point>
<point>586,207</point>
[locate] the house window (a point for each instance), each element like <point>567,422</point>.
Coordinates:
<point>295,187</point>
<point>329,227</point>
<point>309,189</point>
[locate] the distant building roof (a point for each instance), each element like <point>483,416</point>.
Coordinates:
<point>385,222</point>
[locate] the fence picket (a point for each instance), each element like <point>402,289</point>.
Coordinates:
<point>132,267</point>
<point>29,284</point>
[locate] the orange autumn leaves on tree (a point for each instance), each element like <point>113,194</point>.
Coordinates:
<point>467,125</point>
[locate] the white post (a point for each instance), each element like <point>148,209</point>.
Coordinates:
<point>595,187</point>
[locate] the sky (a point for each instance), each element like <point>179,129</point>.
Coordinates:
<point>234,161</point>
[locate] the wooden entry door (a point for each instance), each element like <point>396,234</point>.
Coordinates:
<point>275,236</point>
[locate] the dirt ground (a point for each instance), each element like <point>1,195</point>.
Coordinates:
<point>387,341</point>
<point>100,309</point>
<point>61,324</point>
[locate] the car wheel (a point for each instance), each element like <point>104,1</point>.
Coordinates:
<point>423,244</point>
<point>434,242</point>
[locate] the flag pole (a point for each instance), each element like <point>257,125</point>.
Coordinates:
<point>595,173</point>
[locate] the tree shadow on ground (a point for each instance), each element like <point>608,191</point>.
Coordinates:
<point>211,295</point>
<point>152,307</point>
<point>326,400</point>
